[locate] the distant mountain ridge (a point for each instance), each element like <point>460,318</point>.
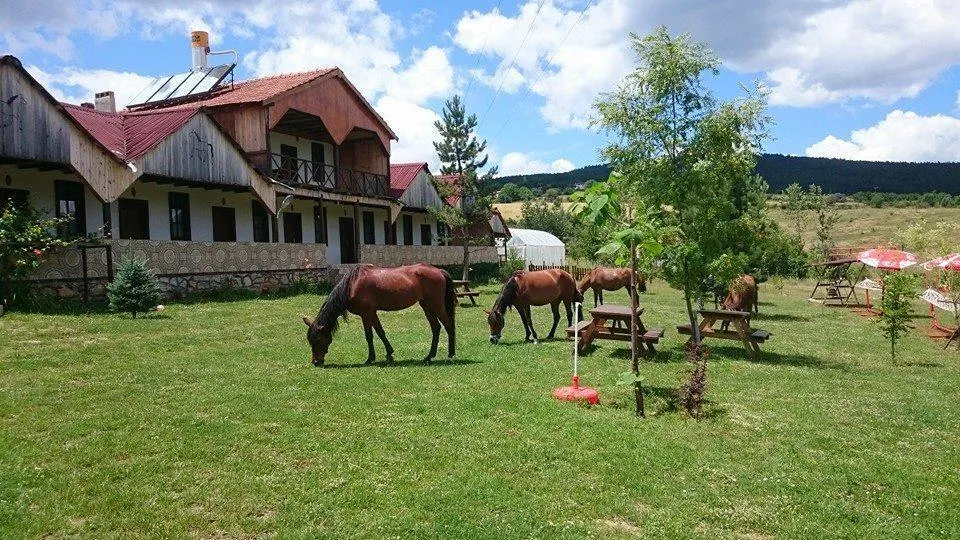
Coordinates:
<point>833,175</point>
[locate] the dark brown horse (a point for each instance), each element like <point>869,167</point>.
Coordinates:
<point>525,289</point>
<point>368,289</point>
<point>742,296</point>
<point>609,279</point>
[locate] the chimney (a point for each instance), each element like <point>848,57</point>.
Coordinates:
<point>86,105</point>
<point>199,49</point>
<point>105,102</point>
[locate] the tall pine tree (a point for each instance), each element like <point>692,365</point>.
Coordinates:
<point>462,155</point>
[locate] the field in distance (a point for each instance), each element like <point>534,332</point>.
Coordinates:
<point>858,225</point>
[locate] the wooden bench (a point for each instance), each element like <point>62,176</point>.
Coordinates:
<point>741,331</point>
<point>466,292</point>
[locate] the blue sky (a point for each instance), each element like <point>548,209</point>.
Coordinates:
<point>860,79</point>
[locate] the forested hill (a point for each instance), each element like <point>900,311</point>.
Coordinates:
<point>833,175</point>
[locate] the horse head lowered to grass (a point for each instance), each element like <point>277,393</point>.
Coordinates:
<point>525,289</point>
<point>368,289</point>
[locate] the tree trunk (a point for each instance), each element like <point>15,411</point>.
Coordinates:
<point>466,255</point>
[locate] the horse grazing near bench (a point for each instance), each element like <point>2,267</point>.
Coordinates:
<point>368,289</point>
<point>742,296</point>
<point>539,288</point>
<point>610,279</point>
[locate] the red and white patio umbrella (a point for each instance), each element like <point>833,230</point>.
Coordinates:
<point>887,259</point>
<point>947,262</point>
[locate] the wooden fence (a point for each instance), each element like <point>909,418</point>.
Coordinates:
<point>576,271</point>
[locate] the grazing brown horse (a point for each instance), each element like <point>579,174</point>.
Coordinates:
<point>609,279</point>
<point>525,289</point>
<point>368,289</point>
<point>741,297</point>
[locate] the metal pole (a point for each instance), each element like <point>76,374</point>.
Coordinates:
<point>633,309</point>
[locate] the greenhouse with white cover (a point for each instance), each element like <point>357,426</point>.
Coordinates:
<point>538,248</point>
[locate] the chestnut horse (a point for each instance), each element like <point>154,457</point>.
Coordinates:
<point>609,279</point>
<point>525,289</point>
<point>741,297</point>
<point>368,289</point>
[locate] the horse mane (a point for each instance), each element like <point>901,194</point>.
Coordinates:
<point>508,294</point>
<point>337,303</point>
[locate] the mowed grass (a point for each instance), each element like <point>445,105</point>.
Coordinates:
<point>210,422</point>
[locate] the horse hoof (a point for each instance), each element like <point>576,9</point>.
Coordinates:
<point>369,361</point>
<point>428,359</point>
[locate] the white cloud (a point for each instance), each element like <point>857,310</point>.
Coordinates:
<point>520,163</point>
<point>901,136</point>
<point>78,85</point>
<point>811,53</point>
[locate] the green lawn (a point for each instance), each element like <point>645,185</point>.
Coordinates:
<point>211,422</point>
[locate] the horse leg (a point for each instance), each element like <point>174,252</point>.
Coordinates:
<point>555,307</point>
<point>526,324</point>
<point>536,339</point>
<point>597,297</point>
<point>434,330</point>
<point>383,337</point>
<point>569,308</point>
<point>368,332</point>
<point>450,327</point>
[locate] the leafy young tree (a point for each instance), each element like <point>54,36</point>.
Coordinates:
<point>511,192</point>
<point>133,290</point>
<point>687,157</point>
<point>550,217</point>
<point>896,309</point>
<point>826,218</point>
<point>795,205</point>
<point>462,155</point>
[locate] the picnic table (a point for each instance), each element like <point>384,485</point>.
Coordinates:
<point>466,292</point>
<point>739,320</point>
<point>834,279</point>
<point>597,328</point>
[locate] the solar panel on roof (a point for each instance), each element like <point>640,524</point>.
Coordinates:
<point>181,85</point>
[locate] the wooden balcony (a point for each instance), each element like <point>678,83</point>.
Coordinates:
<point>311,174</point>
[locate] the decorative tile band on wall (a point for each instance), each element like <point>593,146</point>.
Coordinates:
<point>167,257</point>
<point>384,255</point>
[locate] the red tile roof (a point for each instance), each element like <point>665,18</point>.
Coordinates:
<point>453,180</point>
<point>402,175</point>
<point>130,135</point>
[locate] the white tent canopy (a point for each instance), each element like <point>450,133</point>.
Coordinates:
<point>537,247</point>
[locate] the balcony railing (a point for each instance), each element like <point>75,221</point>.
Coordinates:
<point>312,174</point>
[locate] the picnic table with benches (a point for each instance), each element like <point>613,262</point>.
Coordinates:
<point>597,328</point>
<point>738,320</point>
<point>836,280</point>
<point>466,292</point>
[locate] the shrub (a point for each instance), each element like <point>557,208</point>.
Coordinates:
<point>133,290</point>
<point>511,265</point>
<point>25,239</point>
<point>896,308</point>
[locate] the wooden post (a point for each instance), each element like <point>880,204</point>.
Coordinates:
<point>110,262</point>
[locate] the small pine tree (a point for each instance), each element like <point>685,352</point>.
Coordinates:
<point>898,291</point>
<point>133,290</point>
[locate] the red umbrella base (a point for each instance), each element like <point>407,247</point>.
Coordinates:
<point>577,393</point>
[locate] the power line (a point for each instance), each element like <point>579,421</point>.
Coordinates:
<point>512,62</point>
<point>549,61</point>
<point>479,56</point>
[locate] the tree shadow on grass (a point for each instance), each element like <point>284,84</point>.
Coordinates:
<point>924,364</point>
<point>778,359</point>
<point>405,363</point>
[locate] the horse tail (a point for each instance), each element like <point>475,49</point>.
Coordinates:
<point>449,296</point>
<point>450,304</point>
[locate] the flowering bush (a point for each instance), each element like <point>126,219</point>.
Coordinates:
<point>25,237</point>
